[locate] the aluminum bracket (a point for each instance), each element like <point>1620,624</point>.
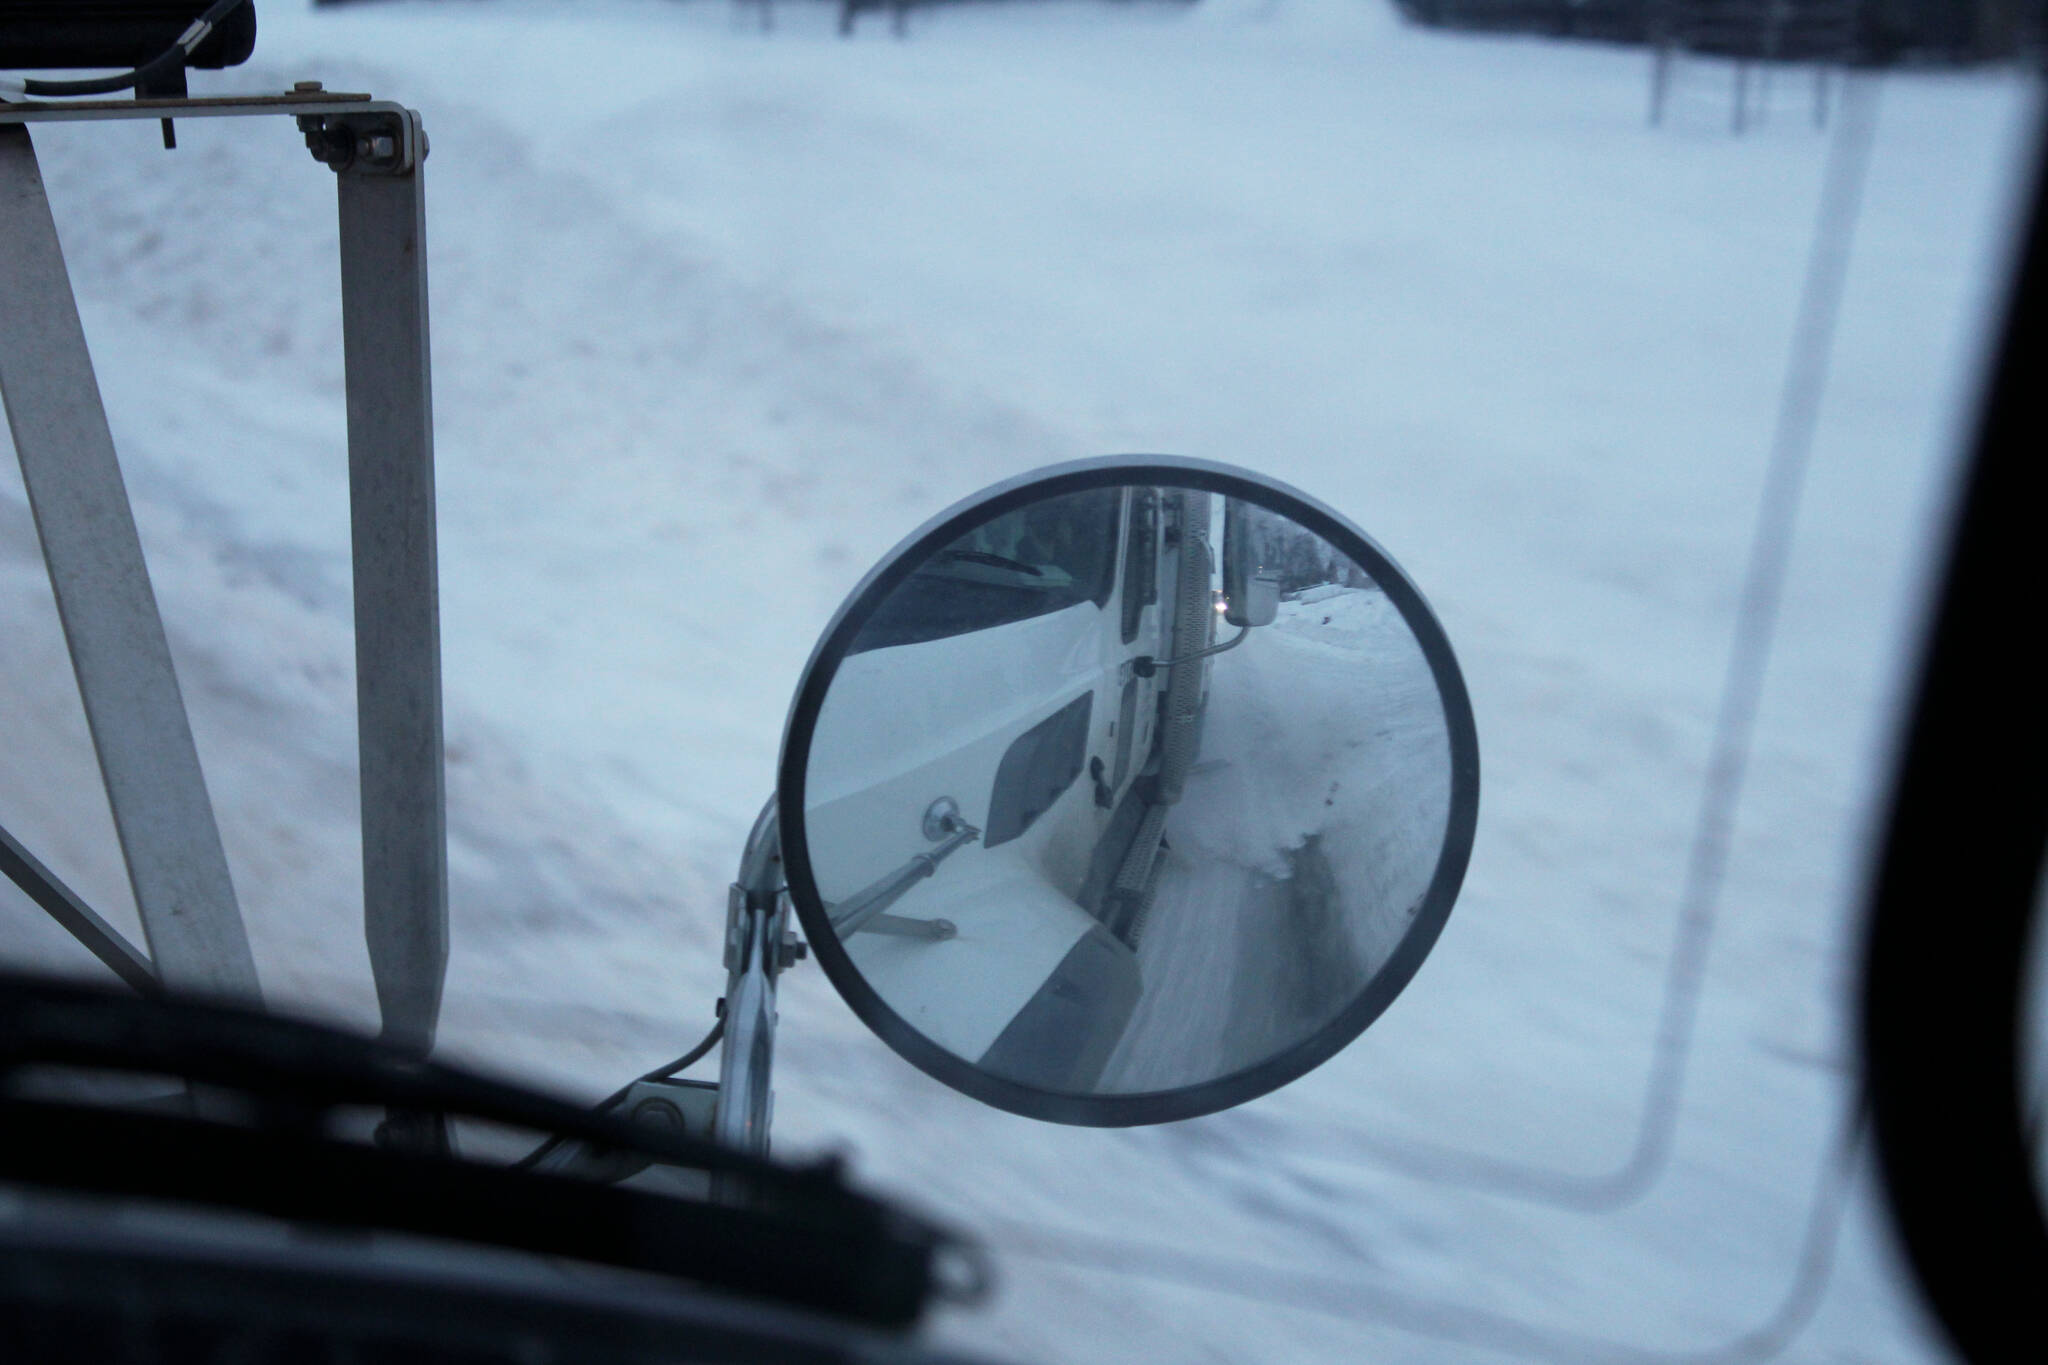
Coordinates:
<point>137,716</point>
<point>133,708</point>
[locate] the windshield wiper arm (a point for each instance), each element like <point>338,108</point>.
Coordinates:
<point>851,1257</point>
<point>798,1234</point>
<point>994,561</point>
<point>857,911</point>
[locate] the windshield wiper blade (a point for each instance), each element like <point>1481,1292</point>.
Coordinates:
<point>794,1233</point>
<point>993,561</point>
<point>851,1258</point>
<point>45,1022</point>
<point>88,1291</point>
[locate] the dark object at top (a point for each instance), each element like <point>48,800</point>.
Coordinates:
<point>53,35</point>
<point>1860,32</point>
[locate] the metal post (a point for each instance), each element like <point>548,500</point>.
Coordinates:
<point>126,680</point>
<point>397,594</point>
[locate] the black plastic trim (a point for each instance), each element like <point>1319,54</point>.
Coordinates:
<point>794,1233</point>
<point>1036,771</point>
<point>1954,896</point>
<point>92,1290</point>
<point>1072,1026</point>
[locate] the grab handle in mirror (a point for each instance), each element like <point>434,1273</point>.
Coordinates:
<point>1146,667</point>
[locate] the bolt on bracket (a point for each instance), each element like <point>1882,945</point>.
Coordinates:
<point>373,142</point>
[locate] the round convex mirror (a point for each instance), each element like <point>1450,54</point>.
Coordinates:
<point>1128,790</point>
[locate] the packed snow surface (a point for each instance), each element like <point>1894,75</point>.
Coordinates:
<point>1327,726</point>
<point>719,315</point>
<point>1298,856</point>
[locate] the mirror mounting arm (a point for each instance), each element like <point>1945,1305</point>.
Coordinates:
<point>757,948</point>
<point>860,910</point>
<point>1145,666</point>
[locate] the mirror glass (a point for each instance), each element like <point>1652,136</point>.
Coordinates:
<point>1083,834</point>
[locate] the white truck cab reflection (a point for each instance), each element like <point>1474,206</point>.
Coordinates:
<point>1006,677</point>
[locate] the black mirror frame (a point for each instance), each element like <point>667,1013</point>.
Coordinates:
<point>1126,1110</point>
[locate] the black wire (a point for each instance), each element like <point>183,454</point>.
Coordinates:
<point>173,56</point>
<point>682,1063</point>
<point>1379,1306</point>
<point>1756,623</point>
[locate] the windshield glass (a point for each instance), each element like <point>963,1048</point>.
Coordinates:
<point>722,311</point>
<point>1039,559</point>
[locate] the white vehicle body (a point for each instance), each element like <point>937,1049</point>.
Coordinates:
<point>1045,732</point>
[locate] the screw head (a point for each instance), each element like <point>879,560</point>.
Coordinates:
<point>305,87</point>
<point>941,818</point>
<point>660,1114</point>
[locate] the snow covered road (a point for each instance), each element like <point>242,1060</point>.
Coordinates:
<point>1298,855</point>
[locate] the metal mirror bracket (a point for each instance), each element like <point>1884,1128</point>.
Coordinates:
<point>758,946</point>
<point>397,596</point>
<point>157,793</point>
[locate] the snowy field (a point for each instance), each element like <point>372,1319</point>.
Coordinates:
<point>719,315</point>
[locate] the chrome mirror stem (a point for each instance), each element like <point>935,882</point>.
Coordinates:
<point>757,948</point>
